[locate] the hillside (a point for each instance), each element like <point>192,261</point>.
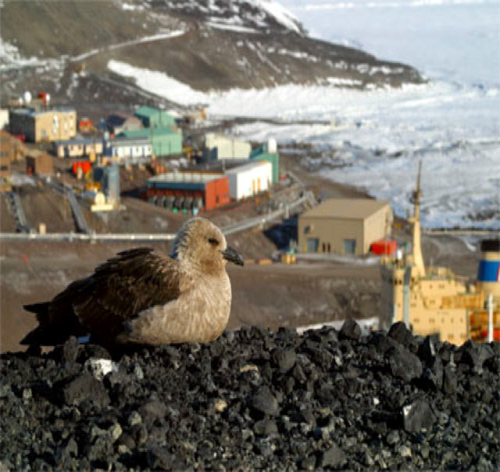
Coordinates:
<point>65,48</point>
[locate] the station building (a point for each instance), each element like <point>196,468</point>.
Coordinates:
<point>44,125</point>
<point>344,226</point>
<point>189,191</point>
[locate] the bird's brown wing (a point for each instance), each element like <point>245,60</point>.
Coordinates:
<point>118,289</point>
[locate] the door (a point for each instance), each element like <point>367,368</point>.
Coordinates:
<point>312,244</point>
<point>349,246</point>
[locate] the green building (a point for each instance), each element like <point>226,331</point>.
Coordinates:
<point>165,141</point>
<point>262,154</point>
<point>154,117</point>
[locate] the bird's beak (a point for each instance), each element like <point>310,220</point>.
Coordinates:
<point>232,256</point>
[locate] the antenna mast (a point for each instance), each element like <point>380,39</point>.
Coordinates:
<point>418,259</point>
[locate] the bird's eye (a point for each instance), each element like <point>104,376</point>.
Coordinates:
<point>213,241</point>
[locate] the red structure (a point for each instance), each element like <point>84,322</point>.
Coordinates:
<point>85,125</point>
<point>20,137</point>
<point>189,191</point>
<point>86,166</point>
<point>384,247</point>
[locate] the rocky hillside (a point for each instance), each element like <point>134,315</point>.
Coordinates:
<point>256,400</point>
<point>65,48</point>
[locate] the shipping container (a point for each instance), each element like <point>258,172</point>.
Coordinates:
<point>384,247</point>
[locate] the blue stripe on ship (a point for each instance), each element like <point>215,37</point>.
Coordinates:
<point>489,271</point>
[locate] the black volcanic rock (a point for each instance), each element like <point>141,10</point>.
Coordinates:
<point>350,330</point>
<point>418,416</point>
<point>256,400</point>
<point>404,364</point>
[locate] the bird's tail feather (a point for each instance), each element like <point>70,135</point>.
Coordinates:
<point>45,334</point>
<point>40,309</point>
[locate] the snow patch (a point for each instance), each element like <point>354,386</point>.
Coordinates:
<point>229,27</point>
<point>281,14</point>
<point>159,83</point>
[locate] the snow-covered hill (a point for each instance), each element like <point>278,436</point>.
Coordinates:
<point>65,47</point>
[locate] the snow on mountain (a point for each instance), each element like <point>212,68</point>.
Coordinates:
<point>280,13</point>
<point>260,14</point>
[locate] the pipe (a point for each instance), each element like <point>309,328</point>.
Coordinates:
<point>490,318</point>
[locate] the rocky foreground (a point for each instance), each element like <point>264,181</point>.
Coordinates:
<point>256,400</point>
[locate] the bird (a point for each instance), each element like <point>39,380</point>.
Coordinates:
<point>145,297</point>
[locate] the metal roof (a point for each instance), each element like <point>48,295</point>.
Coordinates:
<point>125,140</point>
<point>33,112</point>
<point>69,142</point>
<point>148,111</point>
<point>147,132</point>
<point>185,177</point>
<point>347,208</point>
<point>118,118</point>
<point>250,165</point>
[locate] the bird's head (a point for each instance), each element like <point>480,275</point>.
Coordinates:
<point>200,243</point>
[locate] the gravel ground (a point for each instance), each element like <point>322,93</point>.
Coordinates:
<point>254,399</point>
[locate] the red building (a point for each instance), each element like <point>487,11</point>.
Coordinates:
<point>189,191</point>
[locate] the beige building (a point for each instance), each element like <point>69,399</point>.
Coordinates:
<point>39,163</point>
<point>78,147</point>
<point>46,125</point>
<point>218,147</point>
<point>344,226</point>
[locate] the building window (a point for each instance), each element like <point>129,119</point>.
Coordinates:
<point>3,168</point>
<point>307,230</point>
<point>349,246</point>
<point>312,244</point>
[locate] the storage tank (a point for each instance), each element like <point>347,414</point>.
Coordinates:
<point>272,145</point>
<point>111,183</point>
<point>488,276</point>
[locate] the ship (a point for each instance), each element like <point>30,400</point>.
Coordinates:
<point>433,301</point>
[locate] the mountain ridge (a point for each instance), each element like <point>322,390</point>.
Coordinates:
<point>208,44</point>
